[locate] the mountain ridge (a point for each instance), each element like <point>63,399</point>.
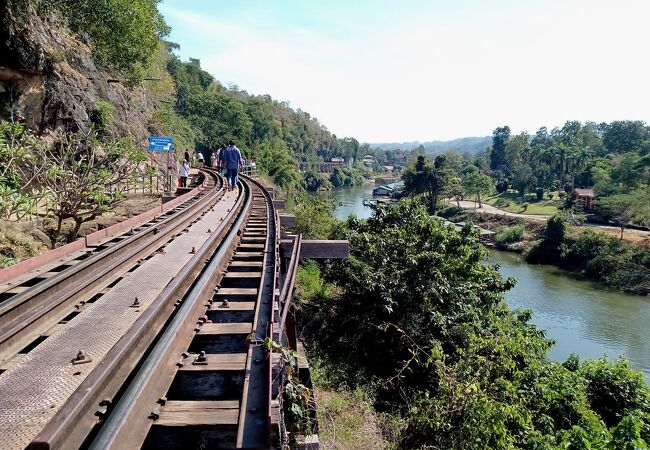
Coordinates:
<point>469,144</point>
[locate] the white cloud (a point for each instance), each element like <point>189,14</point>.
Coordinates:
<point>438,76</point>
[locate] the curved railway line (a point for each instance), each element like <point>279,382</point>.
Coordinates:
<point>154,338</point>
<point>37,301</point>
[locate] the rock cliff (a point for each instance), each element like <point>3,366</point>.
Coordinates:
<point>49,76</point>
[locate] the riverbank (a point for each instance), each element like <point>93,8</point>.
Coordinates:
<point>416,320</point>
<point>573,308</point>
<point>586,251</point>
<point>581,315</point>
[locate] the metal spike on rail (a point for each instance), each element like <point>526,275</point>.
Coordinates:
<point>136,303</point>
<point>81,358</point>
<point>201,359</point>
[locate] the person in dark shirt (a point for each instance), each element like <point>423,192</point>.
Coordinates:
<point>231,159</point>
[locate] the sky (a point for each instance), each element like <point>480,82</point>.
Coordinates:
<point>407,70</point>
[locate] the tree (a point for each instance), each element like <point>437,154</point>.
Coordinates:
<point>455,190</point>
<point>623,136</point>
<point>315,182</point>
<point>414,317</point>
<point>427,180</point>
<point>555,231</point>
<point>523,177</point>
<point>124,33</point>
<point>409,270</point>
<point>498,156</point>
<point>629,170</point>
<point>85,177</point>
<point>218,118</point>
<point>313,216</point>
<point>19,167</point>
<point>476,184</point>
<point>623,208</point>
<point>274,159</point>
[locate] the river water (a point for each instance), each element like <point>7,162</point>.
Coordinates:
<point>582,316</point>
<point>350,201</point>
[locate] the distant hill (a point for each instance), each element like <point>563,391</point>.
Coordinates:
<point>462,145</point>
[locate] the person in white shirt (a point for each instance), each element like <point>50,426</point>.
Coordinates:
<point>184,172</point>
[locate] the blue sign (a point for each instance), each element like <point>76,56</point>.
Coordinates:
<point>160,144</point>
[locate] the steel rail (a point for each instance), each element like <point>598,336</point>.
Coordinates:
<point>286,296</point>
<point>128,423</point>
<point>92,399</point>
<point>41,304</point>
<point>253,431</point>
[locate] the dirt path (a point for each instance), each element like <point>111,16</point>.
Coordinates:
<point>638,237</point>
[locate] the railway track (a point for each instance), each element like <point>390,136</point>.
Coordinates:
<point>36,303</point>
<point>171,353</point>
<point>207,381</point>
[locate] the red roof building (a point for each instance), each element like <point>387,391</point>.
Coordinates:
<point>583,197</point>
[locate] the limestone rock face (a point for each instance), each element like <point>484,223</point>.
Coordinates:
<point>49,76</point>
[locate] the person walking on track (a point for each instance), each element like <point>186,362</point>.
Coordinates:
<point>184,172</point>
<point>232,160</point>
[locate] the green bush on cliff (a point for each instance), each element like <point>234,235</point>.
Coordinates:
<point>123,33</point>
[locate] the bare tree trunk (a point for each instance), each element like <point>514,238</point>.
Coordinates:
<point>622,229</point>
<point>54,238</point>
<point>480,205</point>
<point>78,221</point>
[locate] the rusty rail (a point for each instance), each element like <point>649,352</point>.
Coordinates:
<point>72,424</point>
<point>41,304</point>
<point>130,420</point>
<point>158,369</point>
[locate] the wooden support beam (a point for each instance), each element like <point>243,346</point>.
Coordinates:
<point>279,204</point>
<point>184,413</point>
<point>336,249</point>
<point>287,220</point>
<point>316,249</point>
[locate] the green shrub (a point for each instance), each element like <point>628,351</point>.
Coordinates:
<point>614,390</point>
<point>313,216</point>
<point>509,235</point>
<point>102,116</point>
<point>415,319</point>
<point>124,33</point>
<point>451,213</point>
<point>597,255</point>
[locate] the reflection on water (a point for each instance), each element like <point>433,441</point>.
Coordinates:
<point>350,201</point>
<point>582,316</point>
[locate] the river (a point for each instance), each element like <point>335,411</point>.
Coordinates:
<point>582,316</point>
<point>350,201</point>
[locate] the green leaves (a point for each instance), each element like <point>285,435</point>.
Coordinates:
<point>124,33</point>
<point>416,309</point>
<point>218,118</point>
<point>19,165</point>
<point>477,184</point>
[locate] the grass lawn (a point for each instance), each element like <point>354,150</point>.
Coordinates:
<point>511,202</point>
